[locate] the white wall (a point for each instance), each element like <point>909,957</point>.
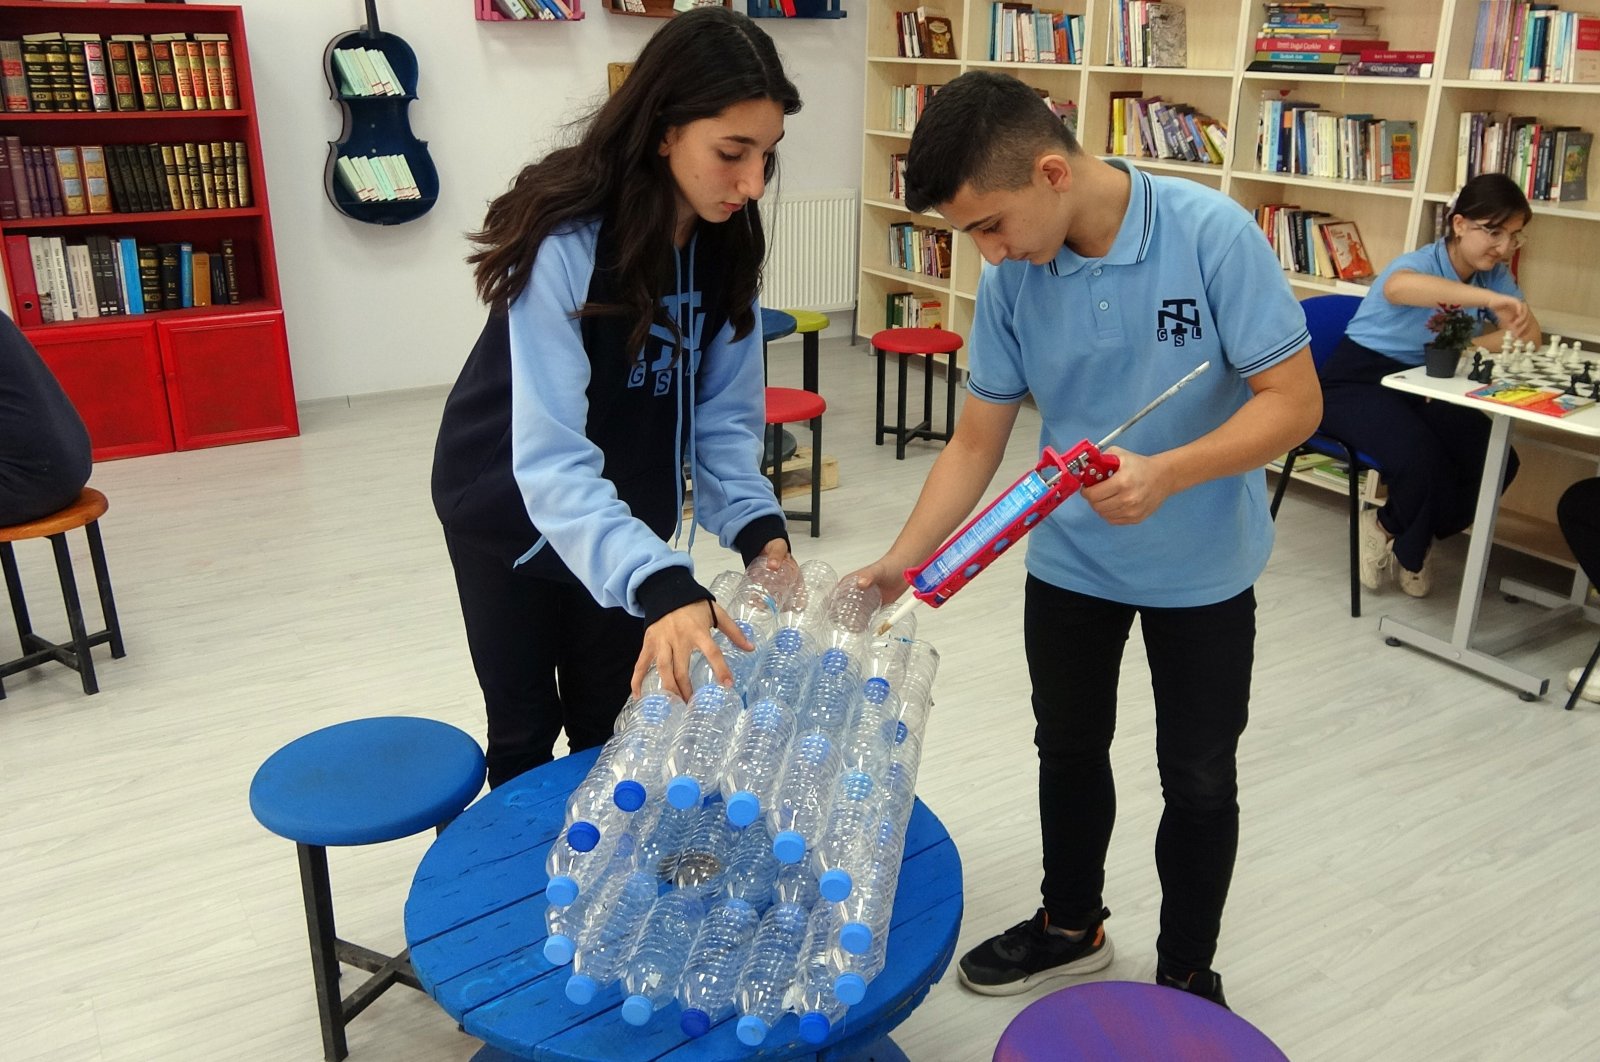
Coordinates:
<point>377,308</point>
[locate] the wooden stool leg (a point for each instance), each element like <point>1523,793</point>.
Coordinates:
<point>318,895</point>
<point>19,603</point>
<point>69,595</point>
<point>900,417</point>
<point>880,356</point>
<point>102,582</point>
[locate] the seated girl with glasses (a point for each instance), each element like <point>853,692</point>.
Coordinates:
<point>1430,454</point>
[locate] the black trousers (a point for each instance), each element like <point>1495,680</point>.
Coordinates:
<point>1430,453</point>
<point>1200,663</point>
<point>547,656</point>
<point>1578,513</point>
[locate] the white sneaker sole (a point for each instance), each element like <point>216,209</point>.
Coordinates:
<point>1088,964</point>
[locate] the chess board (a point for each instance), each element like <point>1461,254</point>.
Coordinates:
<point>1544,371</point>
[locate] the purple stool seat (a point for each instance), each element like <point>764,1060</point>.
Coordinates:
<point>1127,1021</point>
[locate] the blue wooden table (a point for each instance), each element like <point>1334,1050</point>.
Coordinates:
<point>475,924</point>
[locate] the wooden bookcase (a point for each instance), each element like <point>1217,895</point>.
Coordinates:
<point>174,379</point>
<point>1559,268</point>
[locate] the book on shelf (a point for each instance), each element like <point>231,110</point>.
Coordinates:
<point>76,72</point>
<point>1546,400</point>
<point>1337,45</point>
<point>905,309</point>
<point>1349,254</point>
<point>1166,28</point>
<point>1273,66</point>
<point>1534,42</point>
<point>1571,180</point>
<point>938,35</point>
<point>1397,144</point>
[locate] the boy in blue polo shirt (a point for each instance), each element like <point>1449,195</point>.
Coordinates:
<point>1107,286</point>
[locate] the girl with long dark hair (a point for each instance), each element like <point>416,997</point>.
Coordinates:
<point>621,350</point>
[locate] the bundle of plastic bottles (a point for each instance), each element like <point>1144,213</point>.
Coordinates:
<point>739,853</point>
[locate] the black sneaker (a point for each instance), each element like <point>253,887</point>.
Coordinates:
<point>1207,984</point>
<point>1029,954</point>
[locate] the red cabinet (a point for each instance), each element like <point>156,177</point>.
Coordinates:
<point>113,373</point>
<point>228,379</point>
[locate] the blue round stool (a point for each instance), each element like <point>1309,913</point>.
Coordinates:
<point>360,782</point>
<point>1126,1021</point>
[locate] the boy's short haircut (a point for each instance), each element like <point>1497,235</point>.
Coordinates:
<point>983,128</point>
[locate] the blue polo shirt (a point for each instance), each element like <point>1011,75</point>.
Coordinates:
<point>1189,278</point>
<point>1400,332</point>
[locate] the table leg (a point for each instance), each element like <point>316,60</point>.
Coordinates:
<point>1459,648</point>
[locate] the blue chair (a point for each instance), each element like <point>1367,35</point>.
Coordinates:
<point>360,782</point>
<point>1326,318</point>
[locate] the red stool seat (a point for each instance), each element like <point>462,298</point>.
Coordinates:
<point>789,405</point>
<point>1125,1021</point>
<point>926,343</point>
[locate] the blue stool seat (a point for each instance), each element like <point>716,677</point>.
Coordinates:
<point>353,783</point>
<point>1124,1021</point>
<point>367,780</point>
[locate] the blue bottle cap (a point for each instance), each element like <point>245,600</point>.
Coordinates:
<point>814,1027</point>
<point>851,988</point>
<point>788,640</point>
<point>561,891</point>
<point>694,1022</point>
<point>855,938</point>
<point>834,884</point>
<point>583,836</point>
<point>835,661</point>
<point>581,989</point>
<point>628,795</point>
<point>743,808</point>
<point>752,1030</point>
<point>683,792</point>
<point>789,847</point>
<point>636,1010</point>
<point>875,689</point>
<point>559,949</point>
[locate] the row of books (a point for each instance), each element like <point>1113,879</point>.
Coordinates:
<point>1147,33</point>
<point>1150,127</point>
<point>67,180</point>
<point>906,103</point>
<point>1548,162</point>
<point>60,72</point>
<point>549,10</point>
<point>920,249</point>
<point>102,276</point>
<point>1313,20</point>
<point>904,309</point>
<point>377,178</point>
<point>1019,34</point>
<point>1314,242</point>
<point>1517,41</point>
<point>1301,138</point>
<point>925,34</point>
<point>1354,57</point>
<point>366,72</point>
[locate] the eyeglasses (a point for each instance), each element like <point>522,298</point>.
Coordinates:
<point>1515,239</point>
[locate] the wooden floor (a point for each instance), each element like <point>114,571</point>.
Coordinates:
<point>1416,877</point>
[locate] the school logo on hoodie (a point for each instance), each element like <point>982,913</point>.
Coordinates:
<point>684,309</point>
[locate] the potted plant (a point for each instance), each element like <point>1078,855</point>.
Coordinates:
<point>1453,328</point>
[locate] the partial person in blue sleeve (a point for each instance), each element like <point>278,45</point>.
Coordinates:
<point>1106,285</point>
<point>622,349</point>
<point>1431,453</point>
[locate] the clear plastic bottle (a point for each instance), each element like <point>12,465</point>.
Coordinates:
<point>869,734</point>
<point>796,884</point>
<point>776,584</point>
<point>573,873</point>
<point>694,761</point>
<point>916,687</point>
<point>650,976</point>
<point>768,972</point>
<point>562,925</point>
<point>641,751</point>
<point>851,610</point>
<point>750,773</point>
<point>591,809</point>
<point>659,844</point>
<point>606,939</point>
<point>831,693</point>
<point>864,914</point>
<point>898,791</point>
<point>784,671</point>
<point>833,857</point>
<point>805,790</point>
<point>711,972</point>
<point>702,860</point>
<point>813,997</point>
<point>853,973</point>
<point>752,868</point>
<point>808,609</point>
<point>741,662</point>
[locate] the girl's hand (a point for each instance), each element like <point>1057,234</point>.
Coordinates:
<point>1133,493</point>
<point>670,643</point>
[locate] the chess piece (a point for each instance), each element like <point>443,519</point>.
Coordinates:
<point>1477,363</point>
<point>1505,345</point>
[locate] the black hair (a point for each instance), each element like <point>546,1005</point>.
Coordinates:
<point>985,129</point>
<point>1491,199</point>
<point>696,66</point>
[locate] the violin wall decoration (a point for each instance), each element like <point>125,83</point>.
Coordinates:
<point>377,171</point>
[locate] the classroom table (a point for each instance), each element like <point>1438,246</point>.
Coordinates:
<point>475,923</point>
<point>1466,645</point>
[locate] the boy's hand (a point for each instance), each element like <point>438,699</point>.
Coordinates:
<point>1131,495</point>
<point>670,642</point>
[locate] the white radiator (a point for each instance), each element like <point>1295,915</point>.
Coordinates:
<point>811,250</point>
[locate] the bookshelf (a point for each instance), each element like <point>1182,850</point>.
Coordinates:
<point>169,379</point>
<point>485,11</point>
<point>1557,267</point>
<point>647,8</point>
